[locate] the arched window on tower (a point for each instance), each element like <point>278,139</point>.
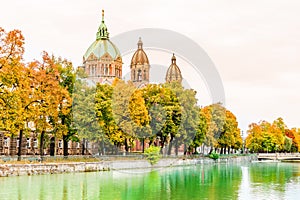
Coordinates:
<point>94,70</point>
<point>145,74</point>
<point>106,69</point>
<point>140,75</point>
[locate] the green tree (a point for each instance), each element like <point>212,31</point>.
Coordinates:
<point>188,129</point>
<point>105,116</point>
<point>67,81</point>
<point>215,115</point>
<point>152,154</point>
<point>165,112</point>
<point>84,113</point>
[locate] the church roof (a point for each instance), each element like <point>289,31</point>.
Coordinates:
<point>173,72</point>
<point>139,57</point>
<point>102,45</point>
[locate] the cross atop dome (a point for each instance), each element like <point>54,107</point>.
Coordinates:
<point>140,43</point>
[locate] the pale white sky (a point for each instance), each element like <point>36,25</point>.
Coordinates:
<point>253,43</point>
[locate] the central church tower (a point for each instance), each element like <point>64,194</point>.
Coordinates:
<point>102,61</point>
<point>140,67</point>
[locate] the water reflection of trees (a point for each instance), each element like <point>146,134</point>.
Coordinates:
<point>195,182</point>
<point>273,173</point>
<point>212,182</point>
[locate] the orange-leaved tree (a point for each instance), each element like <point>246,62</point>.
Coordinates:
<point>51,99</point>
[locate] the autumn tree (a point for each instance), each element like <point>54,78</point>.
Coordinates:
<point>51,100</point>
<point>231,136</point>
<point>121,98</point>
<point>29,92</point>
<point>267,137</point>
<point>140,116</point>
<point>14,87</point>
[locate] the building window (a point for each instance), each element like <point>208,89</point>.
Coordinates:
<point>28,145</point>
<point>77,145</point>
<point>35,143</point>
<point>60,145</point>
<point>139,75</point>
<point>6,142</point>
<point>69,144</point>
<point>18,142</point>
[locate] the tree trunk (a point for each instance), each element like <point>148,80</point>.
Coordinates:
<point>126,145</point>
<point>229,150</point>
<point>83,146</point>
<point>211,150</point>
<point>185,150</point>
<point>42,144</point>
<point>170,146</point>
<point>176,147</point>
<point>143,144</point>
<point>20,145</point>
<point>65,145</point>
<point>162,147</point>
<point>103,148</point>
<point>222,150</point>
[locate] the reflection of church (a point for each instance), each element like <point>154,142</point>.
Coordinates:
<point>102,62</point>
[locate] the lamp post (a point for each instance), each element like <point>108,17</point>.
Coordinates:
<point>244,140</point>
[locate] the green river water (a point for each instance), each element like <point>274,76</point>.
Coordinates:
<point>219,181</point>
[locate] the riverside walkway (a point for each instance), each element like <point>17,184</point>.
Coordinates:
<point>278,156</point>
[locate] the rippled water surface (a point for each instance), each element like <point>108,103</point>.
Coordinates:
<point>220,181</point>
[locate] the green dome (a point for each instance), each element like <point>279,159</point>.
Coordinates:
<point>101,47</point>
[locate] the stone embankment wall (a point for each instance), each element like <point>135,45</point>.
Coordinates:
<point>54,168</point>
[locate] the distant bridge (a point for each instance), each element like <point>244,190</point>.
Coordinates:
<point>278,156</point>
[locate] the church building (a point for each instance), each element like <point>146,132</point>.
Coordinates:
<point>102,61</point>
<point>140,67</point>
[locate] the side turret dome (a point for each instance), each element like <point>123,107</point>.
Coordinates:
<point>139,57</point>
<point>173,72</point>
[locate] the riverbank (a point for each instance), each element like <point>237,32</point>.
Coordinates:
<point>73,167</point>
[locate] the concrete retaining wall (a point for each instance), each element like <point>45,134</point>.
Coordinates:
<point>36,169</point>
